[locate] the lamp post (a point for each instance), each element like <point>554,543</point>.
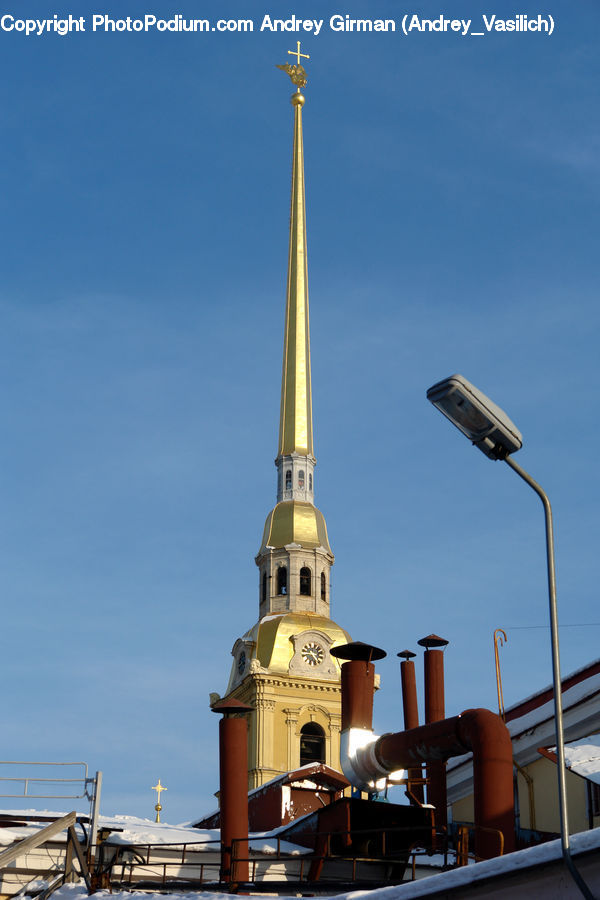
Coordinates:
<point>490,429</point>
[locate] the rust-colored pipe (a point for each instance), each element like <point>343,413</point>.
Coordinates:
<point>411,712</point>
<point>478,730</point>
<point>435,706</point>
<point>435,710</point>
<point>233,777</point>
<point>486,735</point>
<point>358,686</point>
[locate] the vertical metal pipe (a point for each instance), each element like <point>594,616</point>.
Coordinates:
<point>435,710</point>
<point>233,788</point>
<point>233,768</point>
<point>95,813</point>
<point>409,692</point>
<point>489,739</point>
<point>435,706</point>
<point>558,715</point>
<point>358,685</point>
<point>411,712</point>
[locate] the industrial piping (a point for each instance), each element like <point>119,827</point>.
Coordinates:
<point>233,789</point>
<point>435,710</point>
<point>411,713</point>
<point>367,757</point>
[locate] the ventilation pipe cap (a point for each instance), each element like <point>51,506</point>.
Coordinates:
<point>231,707</point>
<point>432,641</point>
<point>358,650</point>
<point>406,654</point>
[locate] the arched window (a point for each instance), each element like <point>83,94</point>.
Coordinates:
<point>323,586</point>
<point>263,588</point>
<point>305,581</point>
<point>301,479</point>
<point>282,580</point>
<point>310,481</point>
<point>279,481</point>
<point>312,744</point>
<point>288,480</point>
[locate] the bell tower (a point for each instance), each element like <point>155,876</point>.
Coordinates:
<point>282,666</point>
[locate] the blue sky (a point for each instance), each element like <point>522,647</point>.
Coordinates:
<point>452,193</point>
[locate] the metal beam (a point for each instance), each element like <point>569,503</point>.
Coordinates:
<point>30,843</point>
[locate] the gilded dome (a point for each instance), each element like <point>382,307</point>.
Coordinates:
<point>272,637</point>
<point>295,522</point>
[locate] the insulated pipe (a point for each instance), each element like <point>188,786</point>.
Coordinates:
<point>411,711</point>
<point>366,758</point>
<point>485,734</point>
<point>435,710</point>
<point>233,788</point>
<point>358,685</point>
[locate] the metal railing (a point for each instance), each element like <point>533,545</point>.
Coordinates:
<point>130,865</point>
<point>27,780</point>
<point>90,788</point>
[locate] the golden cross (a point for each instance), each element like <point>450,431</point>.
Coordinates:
<point>297,53</point>
<point>158,788</point>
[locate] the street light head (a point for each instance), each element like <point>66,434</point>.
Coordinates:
<point>484,423</point>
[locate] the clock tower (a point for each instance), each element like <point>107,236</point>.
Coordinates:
<point>282,666</point>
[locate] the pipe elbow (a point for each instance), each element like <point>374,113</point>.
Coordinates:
<point>477,728</point>
<point>359,762</point>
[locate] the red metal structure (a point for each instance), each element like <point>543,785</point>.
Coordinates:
<point>233,770</point>
<point>435,711</point>
<point>477,730</point>
<point>411,717</point>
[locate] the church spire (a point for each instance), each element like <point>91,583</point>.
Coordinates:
<point>295,557</point>
<point>295,424</point>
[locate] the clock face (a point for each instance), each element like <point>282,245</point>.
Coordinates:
<point>241,662</point>
<point>313,654</point>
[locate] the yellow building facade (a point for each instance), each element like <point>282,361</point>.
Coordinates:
<point>282,666</point>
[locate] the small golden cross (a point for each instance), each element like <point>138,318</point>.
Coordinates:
<point>158,788</point>
<point>297,53</point>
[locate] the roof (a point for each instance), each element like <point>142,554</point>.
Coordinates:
<point>581,757</point>
<point>295,522</point>
<point>449,884</point>
<point>131,830</point>
<point>531,724</point>
<point>311,776</point>
<point>543,696</point>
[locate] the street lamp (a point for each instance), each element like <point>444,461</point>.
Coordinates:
<point>490,429</point>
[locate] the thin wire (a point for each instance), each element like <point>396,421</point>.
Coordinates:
<point>573,625</point>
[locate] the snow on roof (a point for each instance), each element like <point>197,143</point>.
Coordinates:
<point>571,697</point>
<point>583,757</point>
<point>127,829</point>
<point>455,878</point>
<point>527,723</point>
<point>79,892</point>
<point>490,868</point>
<point>578,676</point>
<point>132,830</point>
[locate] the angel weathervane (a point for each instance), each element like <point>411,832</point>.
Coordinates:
<point>297,72</point>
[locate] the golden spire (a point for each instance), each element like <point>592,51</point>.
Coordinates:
<point>295,426</point>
